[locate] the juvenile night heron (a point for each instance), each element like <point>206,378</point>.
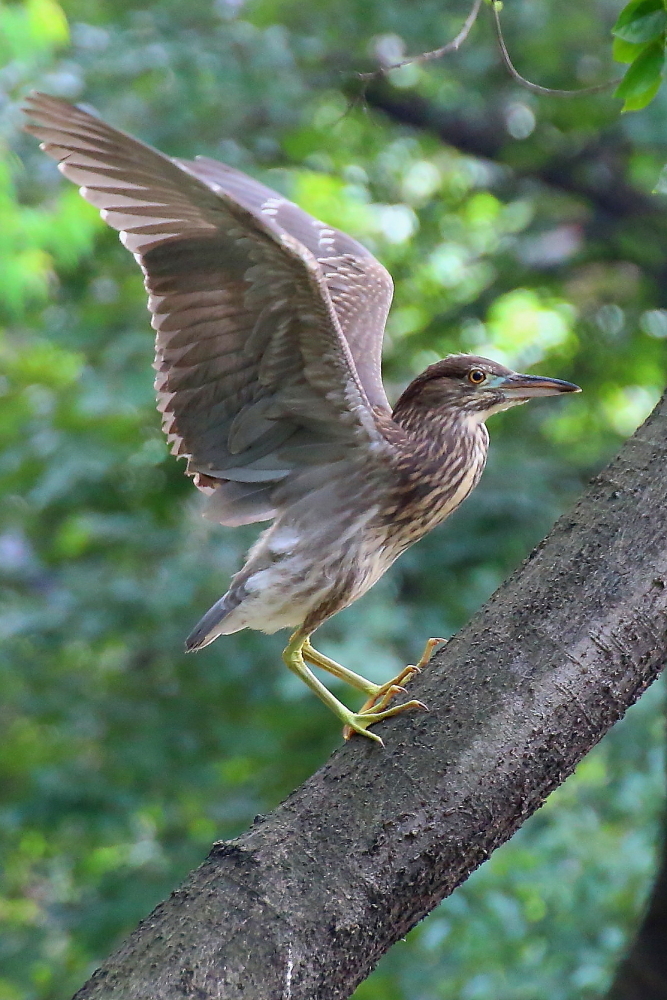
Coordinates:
<point>269,334</point>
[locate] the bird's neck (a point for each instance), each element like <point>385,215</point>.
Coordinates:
<point>441,455</point>
<point>441,427</point>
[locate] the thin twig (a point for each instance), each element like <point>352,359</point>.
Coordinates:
<point>535,87</point>
<point>435,53</point>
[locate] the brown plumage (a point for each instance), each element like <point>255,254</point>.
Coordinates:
<point>269,328</point>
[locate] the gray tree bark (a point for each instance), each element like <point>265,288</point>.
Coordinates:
<point>303,905</point>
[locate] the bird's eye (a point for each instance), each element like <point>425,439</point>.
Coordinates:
<point>476,376</point>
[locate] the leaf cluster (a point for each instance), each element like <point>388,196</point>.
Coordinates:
<point>640,38</point>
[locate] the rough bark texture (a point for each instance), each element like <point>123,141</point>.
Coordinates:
<point>643,974</point>
<point>302,905</point>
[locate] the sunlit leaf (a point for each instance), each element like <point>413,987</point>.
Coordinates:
<point>642,79</point>
<point>641,22</point>
<point>47,22</point>
<point>642,99</point>
<point>625,52</point>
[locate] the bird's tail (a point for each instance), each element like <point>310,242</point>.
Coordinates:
<point>211,625</point>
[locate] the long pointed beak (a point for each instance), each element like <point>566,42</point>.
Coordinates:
<point>520,387</point>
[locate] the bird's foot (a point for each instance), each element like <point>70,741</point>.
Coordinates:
<point>385,692</point>
<point>299,649</point>
<point>358,722</point>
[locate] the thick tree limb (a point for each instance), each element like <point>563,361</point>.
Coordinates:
<point>303,904</point>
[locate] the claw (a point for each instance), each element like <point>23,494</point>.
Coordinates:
<point>349,729</point>
<point>375,708</point>
<point>429,650</point>
<point>359,722</point>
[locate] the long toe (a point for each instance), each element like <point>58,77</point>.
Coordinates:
<point>380,701</point>
<point>429,650</point>
<point>360,721</point>
<point>381,698</point>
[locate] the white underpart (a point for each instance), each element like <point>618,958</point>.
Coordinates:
<point>297,566</point>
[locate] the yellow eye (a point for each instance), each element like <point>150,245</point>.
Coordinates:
<point>476,376</point>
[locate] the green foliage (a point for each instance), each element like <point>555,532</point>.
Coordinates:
<point>30,33</point>
<point>641,35</point>
<point>120,758</point>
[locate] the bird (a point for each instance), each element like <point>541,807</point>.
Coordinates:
<point>268,338</point>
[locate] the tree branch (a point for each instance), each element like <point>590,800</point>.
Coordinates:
<point>536,88</point>
<point>303,904</point>
<point>423,57</point>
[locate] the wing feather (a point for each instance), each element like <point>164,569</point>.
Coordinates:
<point>361,289</point>
<point>253,348</point>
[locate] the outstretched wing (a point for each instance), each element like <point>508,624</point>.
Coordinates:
<point>361,289</point>
<point>255,376</point>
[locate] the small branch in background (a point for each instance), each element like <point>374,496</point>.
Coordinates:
<point>535,88</point>
<point>452,46</point>
<point>596,173</point>
<point>456,43</point>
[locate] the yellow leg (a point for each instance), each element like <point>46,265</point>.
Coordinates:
<point>353,722</point>
<point>318,659</point>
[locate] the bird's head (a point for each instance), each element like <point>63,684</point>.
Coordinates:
<point>475,386</point>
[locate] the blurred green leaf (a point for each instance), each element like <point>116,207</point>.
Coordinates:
<point>47,22</point>
<point>32,28</point>
<point>625,52</point>
<point>641,22</point>
<point>642,80</point>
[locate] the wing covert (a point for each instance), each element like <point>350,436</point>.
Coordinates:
<point>361,289</point>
